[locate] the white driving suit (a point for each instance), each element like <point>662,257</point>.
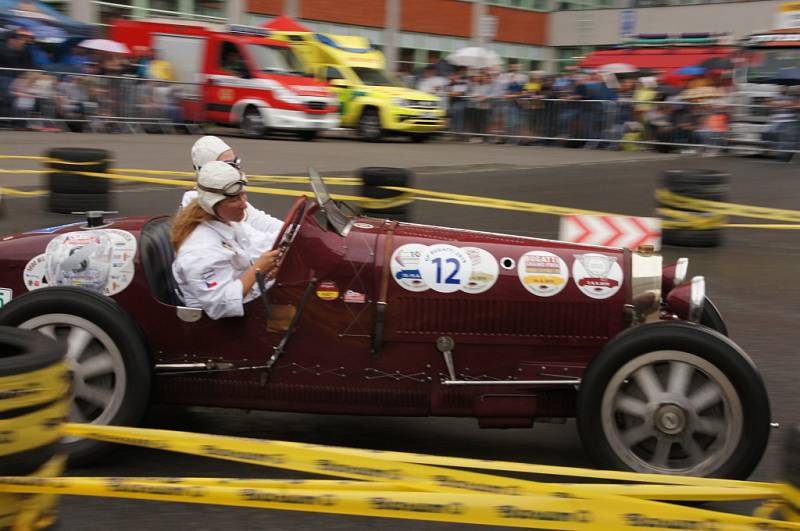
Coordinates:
<point>210,262</point>
<point>256,219</point>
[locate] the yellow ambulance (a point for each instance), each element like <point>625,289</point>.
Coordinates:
<point>372,101</point>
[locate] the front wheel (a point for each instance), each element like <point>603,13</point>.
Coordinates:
<point>106,356</point>
<point>369,125</point>
<point>252,124</point>
<point>674,398</point>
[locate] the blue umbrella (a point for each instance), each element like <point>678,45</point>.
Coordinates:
<point>691,71</point>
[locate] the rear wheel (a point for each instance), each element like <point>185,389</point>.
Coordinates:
<point>106,356</point>
<point>307,135</point>
<point>252,124</point>
<point>419,138</point>
<point>369,125</point>
<point>674,398</point>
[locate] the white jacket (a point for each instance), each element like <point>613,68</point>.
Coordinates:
<point>261,225</point>
<point>209,264</point>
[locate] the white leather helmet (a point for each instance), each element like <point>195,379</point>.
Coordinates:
<point>216,181</point>
<point>206,149</point>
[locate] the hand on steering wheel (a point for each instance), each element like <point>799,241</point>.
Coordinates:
<point>288,231</point>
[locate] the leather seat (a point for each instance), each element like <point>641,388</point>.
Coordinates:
<point>157,255</point>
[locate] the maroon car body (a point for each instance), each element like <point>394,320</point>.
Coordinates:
<point>348,332</point>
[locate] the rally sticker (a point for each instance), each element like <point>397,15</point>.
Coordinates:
<point>6,294</point>
<point>484,270</point>
<point>354,297</point>
<point>597,275</point>
<point>445,268</point>
<point>405,266</point>
<point>542,273</point>
<point>328,290</point>
<point>34,274</point>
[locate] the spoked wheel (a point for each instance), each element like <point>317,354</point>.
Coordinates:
<point>106,354</point>
<point>674,398</point>
<point>252,124</point>
<point>369,125</point>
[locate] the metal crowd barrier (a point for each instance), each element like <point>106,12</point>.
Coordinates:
<point>624,124</point>
<point>66,101</point>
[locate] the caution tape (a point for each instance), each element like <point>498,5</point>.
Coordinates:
<point>674,200</point>
<point>35,387</point>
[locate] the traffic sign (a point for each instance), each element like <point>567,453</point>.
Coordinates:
<point>611,231</point>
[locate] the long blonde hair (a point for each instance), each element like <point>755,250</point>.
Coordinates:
<point>186,220</point>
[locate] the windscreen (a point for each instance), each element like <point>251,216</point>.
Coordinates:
<point>374,77</point>
<point>275,59</point>
<point>333,214</point>
<point>765,63</point>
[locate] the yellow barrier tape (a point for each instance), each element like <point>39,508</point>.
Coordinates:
<point>554,511</point>
<point>22,193</point>
<point>731,209</point>
<point>38,511</point>
<point>36,387</point>
<point>33,430</point>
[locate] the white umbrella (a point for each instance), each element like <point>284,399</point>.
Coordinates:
<point>474,57</point>
<point>618,68</point>
<point>105,45</point>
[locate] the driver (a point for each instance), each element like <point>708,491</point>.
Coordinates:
<point>210,148</point>
<point>216,259</point>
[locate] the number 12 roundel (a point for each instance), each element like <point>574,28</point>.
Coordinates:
<point>445,268</point>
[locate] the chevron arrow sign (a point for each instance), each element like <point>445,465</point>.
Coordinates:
<point>611,231</point>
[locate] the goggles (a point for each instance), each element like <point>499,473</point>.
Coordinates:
<point>236,163</point>
<point>229,190</point>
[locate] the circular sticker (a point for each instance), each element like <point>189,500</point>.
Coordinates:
<point>445,268</point>
<point>362,225</point>
<point>597,275</point>
<point>484,270</point>
<point>405,266</point>
<point>34,273</point>
<point>542,273</point>
<point>328,290</point>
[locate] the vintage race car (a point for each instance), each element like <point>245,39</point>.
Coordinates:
<point>374,317</point>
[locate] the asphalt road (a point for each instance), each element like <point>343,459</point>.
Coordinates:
<point>753,278</point>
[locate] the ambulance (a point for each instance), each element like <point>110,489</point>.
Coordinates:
<point>236,76</point>
<point>371,100</point>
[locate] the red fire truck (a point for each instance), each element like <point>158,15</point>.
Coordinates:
<point>236,76</point>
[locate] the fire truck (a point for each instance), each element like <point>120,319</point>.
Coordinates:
<point>236,76</point>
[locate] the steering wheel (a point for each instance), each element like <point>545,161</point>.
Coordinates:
<point>290,227</point>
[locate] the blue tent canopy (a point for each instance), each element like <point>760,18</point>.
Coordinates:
<point>45,23</point>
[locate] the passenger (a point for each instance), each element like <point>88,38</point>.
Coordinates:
<point>210,148</point>
<point>216,261</point>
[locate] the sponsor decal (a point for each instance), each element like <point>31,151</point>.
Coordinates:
<point>354,297</point>
<point>484,270</point>
<point>34,275</point>
<point>388,504</point>
<point>326,500</point>
<point>445,268</point>
<point>362,225</point>
<point>327,465</point>
<point>404,265</point>
<point>328,290</point>
<point>6,294</point>
<point>598,276</point>
<point>542,273</point>
<point>640,520</point>
<point>511,511</point>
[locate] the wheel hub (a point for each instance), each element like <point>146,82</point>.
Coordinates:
<point>670,419</point>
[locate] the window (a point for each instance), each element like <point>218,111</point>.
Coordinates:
<point>231,59</point>
<point>332,73</point>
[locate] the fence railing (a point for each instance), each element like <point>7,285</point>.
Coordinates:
<point>38,99</point>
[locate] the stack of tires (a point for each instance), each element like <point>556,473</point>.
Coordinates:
<point>382,202</point>
<point>710,185</point>
<point>34,399</point>
<point>75,192</point>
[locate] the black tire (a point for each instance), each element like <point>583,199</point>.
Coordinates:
<point>307,135</point>
<point>695,177</point>
<point>385,176</point>
<point>68,203</point>
<point>113,333</point>
<point>369,125</point>
<point>419,138</point>
<point>692,238</point>
<point>70,183</point>
<point>76,154</point>
<point>252,124</point>
<point>607,398</point>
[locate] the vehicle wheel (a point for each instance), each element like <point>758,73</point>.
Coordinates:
<point>62,203</point>
<point>106,355</point>
<point>674,398</point>
<point>419,138</point>
<point>252,124</point>
<point>369,125</point>
<point>307,135</point>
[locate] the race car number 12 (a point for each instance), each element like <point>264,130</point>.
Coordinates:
<point>445,268</point>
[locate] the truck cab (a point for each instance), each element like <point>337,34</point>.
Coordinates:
<point>372,101</point>
<point>235,76</point>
